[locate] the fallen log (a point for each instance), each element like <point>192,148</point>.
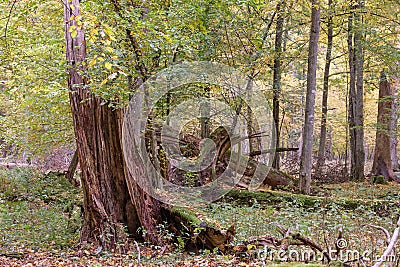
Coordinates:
<point>197,234</point>
<point>270,197</point>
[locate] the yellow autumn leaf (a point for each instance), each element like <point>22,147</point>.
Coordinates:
<point>92,39</point>
<point>94,31</point>
<point>109,49</point>
<point>108,65</point>
<point>92,62</point>
<point>103,82</point>
<point>74,34</point>
<point>72,28</point>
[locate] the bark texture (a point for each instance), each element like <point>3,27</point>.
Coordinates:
<point>71,170</point>
<point>382,164</point>
<point>280,9</point>
<point>112,196</point>
<point>308,129</point>
<point>107,204</point>
<point>356,95</point>
<point>328,59</point>
<point>393,128</point>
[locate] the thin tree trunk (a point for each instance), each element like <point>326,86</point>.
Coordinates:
<point>106,203</point>
<point>352,91</point>
<point>328,59</point>
<point>358,170</point>
<point>205,119</point>
<point>280,9</point>
<point>356,97</point>
<point>393,127</point>
<point>308,130</point>
<point>382,158</point>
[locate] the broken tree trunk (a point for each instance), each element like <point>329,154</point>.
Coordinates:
<point>382,165</point>
<point>106,199</point>
<point>69,174</point>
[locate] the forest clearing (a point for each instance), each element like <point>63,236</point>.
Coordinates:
<point>199,133</point>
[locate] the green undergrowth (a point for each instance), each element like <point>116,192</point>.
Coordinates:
<point>345,208</point>
<point>40,212</point>
<point>375,196</point>
<point>37,211</point>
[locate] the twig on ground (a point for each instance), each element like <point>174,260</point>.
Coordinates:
<point>138,250</point>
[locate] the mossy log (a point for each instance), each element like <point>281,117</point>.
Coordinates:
<point>197,234</point>
<point>270,198</point>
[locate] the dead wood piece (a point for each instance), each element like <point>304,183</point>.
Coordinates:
<point>273,179</point>
<point>390,247</point>
<point>278,149</point>
<point>308,242</point>
<point>386,232</point>
<point>69,174</point>
<point>16,255</point>
<point>201,236</point>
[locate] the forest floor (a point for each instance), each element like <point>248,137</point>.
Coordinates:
<point>40,222</point>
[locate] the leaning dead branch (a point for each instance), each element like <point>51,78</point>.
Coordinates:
<point>386,232</point>
<point>298,239</point>
<point>390,247</point>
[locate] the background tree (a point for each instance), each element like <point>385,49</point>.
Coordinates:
<point>277,74</point>
<point>356,92</point>
<point>308,130</point>
<point>325,90</point>
<point>382,165</point>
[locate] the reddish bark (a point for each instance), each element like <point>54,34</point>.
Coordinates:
<point>382,158</point>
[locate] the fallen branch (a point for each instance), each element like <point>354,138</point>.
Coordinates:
<point>312,244</point>
<point>278,149</point>
<point>390,247</point>
<point>293,237</point>
<point>386,232</point>
<point>17,255</point>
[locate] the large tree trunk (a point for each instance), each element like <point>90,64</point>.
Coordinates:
<point>280,9</point>
<point>382,158</point>
<point>328,59</point>
<point>308,129</point>
<point>112,195</point>
<point>356,96</point>
<point>107,204</point>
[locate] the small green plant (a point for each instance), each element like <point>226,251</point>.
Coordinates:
<point>380,179</point>
<point>191,178</point>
